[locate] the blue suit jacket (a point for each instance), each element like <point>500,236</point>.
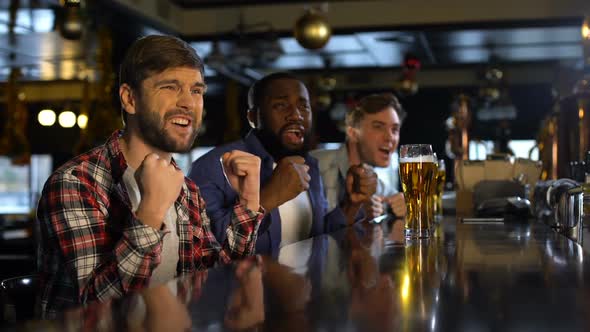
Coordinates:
<point>220,196</point>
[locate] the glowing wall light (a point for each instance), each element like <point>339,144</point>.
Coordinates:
<point>82,121</point>
<point>67,119</point>
<point>46,117</point>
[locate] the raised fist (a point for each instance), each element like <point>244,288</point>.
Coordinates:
<point>361,183</point>
<point>242,171</point>
<point>159,184</point>
<point>289,179</point>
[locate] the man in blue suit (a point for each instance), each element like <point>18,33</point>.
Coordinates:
<point>291,188</point>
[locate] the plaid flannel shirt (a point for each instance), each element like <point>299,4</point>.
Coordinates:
<point>93,247</point>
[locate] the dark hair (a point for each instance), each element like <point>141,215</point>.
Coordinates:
<point>372,104</point>
<point>152,55</point>
<point>258,89</point>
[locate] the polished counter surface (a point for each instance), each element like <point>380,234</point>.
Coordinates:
<point>468,277</point>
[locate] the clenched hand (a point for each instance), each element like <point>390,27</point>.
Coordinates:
<point>242,170</point>
<point>361,183</point>
<point>397,203</point>
<point>159,184</point>
<point>373,207</point>
<point>289,179</point>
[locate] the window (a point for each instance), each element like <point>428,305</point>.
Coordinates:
<point>21,186</point>
<point>478,150</point>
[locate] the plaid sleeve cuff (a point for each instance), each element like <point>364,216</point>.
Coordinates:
<point>143,238</point>
<point>244,214</point>
<point>245,224</point>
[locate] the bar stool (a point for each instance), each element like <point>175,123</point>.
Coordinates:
<point>17,297</point>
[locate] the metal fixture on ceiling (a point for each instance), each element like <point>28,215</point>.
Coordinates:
<point>413,40</point>
<point>407,84</point>
<point>494,103</point>
<point>493,77</point>
<point>13,10</point>
<point>70,18</point>
<point>215,59</point>
<point>325,85</point>
<point>312,30</point>
<point>247,46</point>
<point>401,37</point>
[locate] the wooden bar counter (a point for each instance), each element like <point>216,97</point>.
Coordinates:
<point>468,277</point>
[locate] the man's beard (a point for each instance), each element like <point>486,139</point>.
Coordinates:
<point>152,130</point>
<point>274,146</point>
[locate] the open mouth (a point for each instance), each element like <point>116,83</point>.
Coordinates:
<point>385,151</point>
<point>181,122</point>
<point>293,135</point>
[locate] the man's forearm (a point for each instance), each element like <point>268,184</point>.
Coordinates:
<point>268,199</point>
<point>244,226</point>
<point>128,269</point>
<point>240,240</point>
<point>99,267</point>
<point>136,255</point>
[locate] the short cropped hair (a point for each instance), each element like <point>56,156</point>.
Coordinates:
<point>258,89</point>
<point>152,55</point>
<point>372,104</point>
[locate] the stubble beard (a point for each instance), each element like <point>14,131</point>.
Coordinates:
<point>275,147</point>
<point>154,133</point>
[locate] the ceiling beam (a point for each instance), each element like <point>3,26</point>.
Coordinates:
<point>162,14</point>
<point>357,15</point>
<point>467,76</point>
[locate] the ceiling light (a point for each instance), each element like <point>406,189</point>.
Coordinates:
<point>82,121</point>
<point>67,119</point>
<point>46,117</point>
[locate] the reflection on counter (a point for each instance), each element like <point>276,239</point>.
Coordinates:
<point>369,278</point>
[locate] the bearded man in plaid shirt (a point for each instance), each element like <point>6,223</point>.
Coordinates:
<point>123,216</point>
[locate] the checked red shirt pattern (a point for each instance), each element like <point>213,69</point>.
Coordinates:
<point>93,247</point>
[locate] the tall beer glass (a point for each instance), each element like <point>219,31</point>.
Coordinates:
<point>441,177</point>
<point>432,196</point>
<point>417,170</point>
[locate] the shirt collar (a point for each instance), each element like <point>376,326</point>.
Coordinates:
<point>255,146</point>
<point>118,161</point>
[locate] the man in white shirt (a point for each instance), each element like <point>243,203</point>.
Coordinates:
<point>372,137</point>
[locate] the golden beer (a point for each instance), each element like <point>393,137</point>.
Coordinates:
<point>432,198</point>
<point>441,177</point>
<point>416,178</point>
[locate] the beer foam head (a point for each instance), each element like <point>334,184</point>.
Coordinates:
<point>420,159</point>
